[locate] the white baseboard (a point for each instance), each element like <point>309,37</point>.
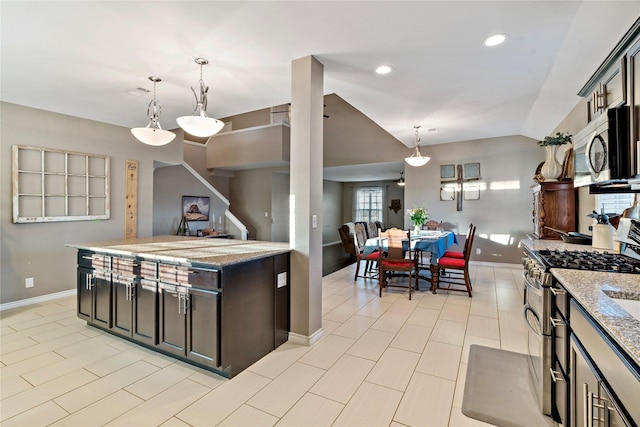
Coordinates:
<point>304,339</point>
<point>36,300</point>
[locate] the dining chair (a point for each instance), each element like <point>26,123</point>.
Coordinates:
<point>471,231</point>
<point>373,230</point>
<point>430,225</point>
<point>455,271</point>
<point>397,259</point>
<point>370,260</point>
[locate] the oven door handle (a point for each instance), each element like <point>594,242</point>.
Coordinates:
<point>527,309</point>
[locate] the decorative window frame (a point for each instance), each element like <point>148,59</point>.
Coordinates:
<point>54,185</point>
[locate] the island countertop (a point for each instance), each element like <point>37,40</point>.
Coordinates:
<point>591,290</point>
<point>188,250</point>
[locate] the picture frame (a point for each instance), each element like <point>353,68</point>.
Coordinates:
<point>471,192</point>
<point>195,208</point>
<point>447,194</point>
<point>448,172</point>
<point>471,171</point>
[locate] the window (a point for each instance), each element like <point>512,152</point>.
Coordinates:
<point>369,204</point>
<point>54,185</point>
<point>614,203</point>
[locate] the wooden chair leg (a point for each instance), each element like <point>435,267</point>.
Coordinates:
<point>357,270</point>
<point>467,282</point>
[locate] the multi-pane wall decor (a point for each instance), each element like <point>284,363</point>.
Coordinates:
<point>54,185</point>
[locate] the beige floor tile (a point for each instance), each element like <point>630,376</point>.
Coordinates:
<point>152,384</point>
<point>413,410</point>
<point>426,317</point>
<point>327,351</point>
<point>394,369</point>
<point>354,327</point>
<point>343,379</point>
<point>41,415</point>
<point>30,364</point>
<point>101,411</point>
<point>216,405</point>
<point>35,396</point>
<point>391,321</point>
<point>471,339</point>
<point>440,360</point>
<point>375,308</point>
<point>460,382</point>
<point>55,370</point>
<point>71,350</point>
<point>411,338</point>
<point>115,362</point>
<point>513,340</point>
<point>92,392</point>
<point>17,344</point>
<point>402,305</point>
<point>484,308</point>
<point>174,422</point>
<point>247,416</point>
<point>276,362</point>
<point>207,379</point>
<point>459,298</point>
<point>332,301</point>
<point>40,320</point>
<point>5,331</point>
<point>372,344</point>
<point>512,320</point>
<point>458,419</point>
<point>454,312</point>
<point>17,316</point>
<point>372,405</point>
<point>163,406</point>
<point>284,391</point>
<point>11,386</point>
<point>312,411</point>
<point>341,313</point>
<point>36,350</point>
<point>485,327</point>
<point>448,332</point>
<point>433,301</point>
<point>328,326</point>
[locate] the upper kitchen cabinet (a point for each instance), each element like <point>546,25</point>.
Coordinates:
<point>633,69</point>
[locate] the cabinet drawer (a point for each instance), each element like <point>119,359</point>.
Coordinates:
<point>94,260</point>
<point>196,277</point>
<point>560,333</point>
<point>134,267</point>
<point>560,394</point>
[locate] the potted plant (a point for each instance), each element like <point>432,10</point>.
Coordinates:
<point>418,217</point>
<point>552,169</point>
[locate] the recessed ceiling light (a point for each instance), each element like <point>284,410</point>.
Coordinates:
<point>433,130</point>
<point>384,69</point>
<point>495,40</point>
<point>139,91</point>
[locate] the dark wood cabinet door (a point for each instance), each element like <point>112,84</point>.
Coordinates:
<point>101,299</point>
<point>202,327</point>
<point>554,206</point>
<point>85,295</point>
<point>172,327</point>
<point>122,307</point>
<point>145,311</point>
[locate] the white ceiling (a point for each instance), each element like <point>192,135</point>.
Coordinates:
<point>81,58</point>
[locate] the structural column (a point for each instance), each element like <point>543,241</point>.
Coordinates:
<point>307,105</point>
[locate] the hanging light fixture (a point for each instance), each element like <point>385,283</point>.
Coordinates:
<point>401,182</point>
<point>417,159</point>
<point>153,133</point>
<point>198,124</point>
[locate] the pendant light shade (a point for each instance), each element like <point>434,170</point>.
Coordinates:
<point>198,124</point>
<point>153,133</point>
<point>401,182</point>
<point>417,159</point>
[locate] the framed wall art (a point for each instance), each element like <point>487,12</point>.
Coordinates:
<point>195,208</point>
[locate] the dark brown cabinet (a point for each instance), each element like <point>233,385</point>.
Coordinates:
<point>94,289</point>
<point>554,205</point>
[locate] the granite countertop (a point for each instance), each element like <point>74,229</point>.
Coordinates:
<point>188,250</point>
<point>536,245</point>
<point>590,290</point>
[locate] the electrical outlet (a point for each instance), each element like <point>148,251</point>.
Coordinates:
<point>478,251</point>
<point>28,282</point>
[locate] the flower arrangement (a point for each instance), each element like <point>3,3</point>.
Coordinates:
<point>558,139</point>
<point>418,216</point>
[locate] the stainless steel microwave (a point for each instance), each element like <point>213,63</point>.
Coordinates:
<point>602,150</point>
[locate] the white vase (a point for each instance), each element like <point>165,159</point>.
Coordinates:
<point>416,229</point>
<point>552,168</point>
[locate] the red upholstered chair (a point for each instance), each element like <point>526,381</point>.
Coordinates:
<point>396,259</point>
<point>467,243</point>
<point>455,271</point>
<point>359,241</point>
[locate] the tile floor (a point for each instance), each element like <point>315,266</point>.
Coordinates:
<point>382,361</point>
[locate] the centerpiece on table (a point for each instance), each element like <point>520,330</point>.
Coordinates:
<point>418,217</point>
<point>552,168</point>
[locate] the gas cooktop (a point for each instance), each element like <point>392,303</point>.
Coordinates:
<point>593,261</point>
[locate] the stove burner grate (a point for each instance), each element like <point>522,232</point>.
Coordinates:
<point>591,261</point>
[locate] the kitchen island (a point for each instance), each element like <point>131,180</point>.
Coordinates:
<point>221,304</point>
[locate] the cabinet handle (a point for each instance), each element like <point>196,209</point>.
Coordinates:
<point>187,302</point>
<point>556,376</point>
<point>557,291</point>
<point>556,322</point>
<point>89,281</point>
<point>586,407</point>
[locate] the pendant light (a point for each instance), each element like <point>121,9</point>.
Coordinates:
<point>153,133</point>
<point>401,182</point>
<point>198,124</point>
<point>417,159</point>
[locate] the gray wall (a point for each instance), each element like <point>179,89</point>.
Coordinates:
<point>502,217</point>
<point>170,184</point>
<point>331,211</point>
<point>38,250</point>
<point>196,156</point>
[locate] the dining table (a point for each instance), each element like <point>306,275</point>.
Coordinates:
<point>433,241</point>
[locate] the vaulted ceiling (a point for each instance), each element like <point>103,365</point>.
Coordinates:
<point>83,58</point>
